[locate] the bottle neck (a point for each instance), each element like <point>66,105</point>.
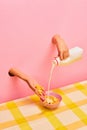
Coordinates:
<point>55,61</point>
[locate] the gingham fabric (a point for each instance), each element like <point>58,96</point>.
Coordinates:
<point>28,114</point>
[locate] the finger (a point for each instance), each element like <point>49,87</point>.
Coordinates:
<point>42,98</point>
<point>65,55</point>
<point>61,55</point>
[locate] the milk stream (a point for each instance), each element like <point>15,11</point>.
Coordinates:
<point>50,77</point>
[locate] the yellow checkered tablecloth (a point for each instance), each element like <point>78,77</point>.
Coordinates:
<point>27,113</point>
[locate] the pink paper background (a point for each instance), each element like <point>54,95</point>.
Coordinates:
<point>26,28</point>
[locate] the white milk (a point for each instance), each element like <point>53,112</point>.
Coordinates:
<point>50,77</point>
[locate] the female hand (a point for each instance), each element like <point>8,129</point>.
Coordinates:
<point>63,51</point>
